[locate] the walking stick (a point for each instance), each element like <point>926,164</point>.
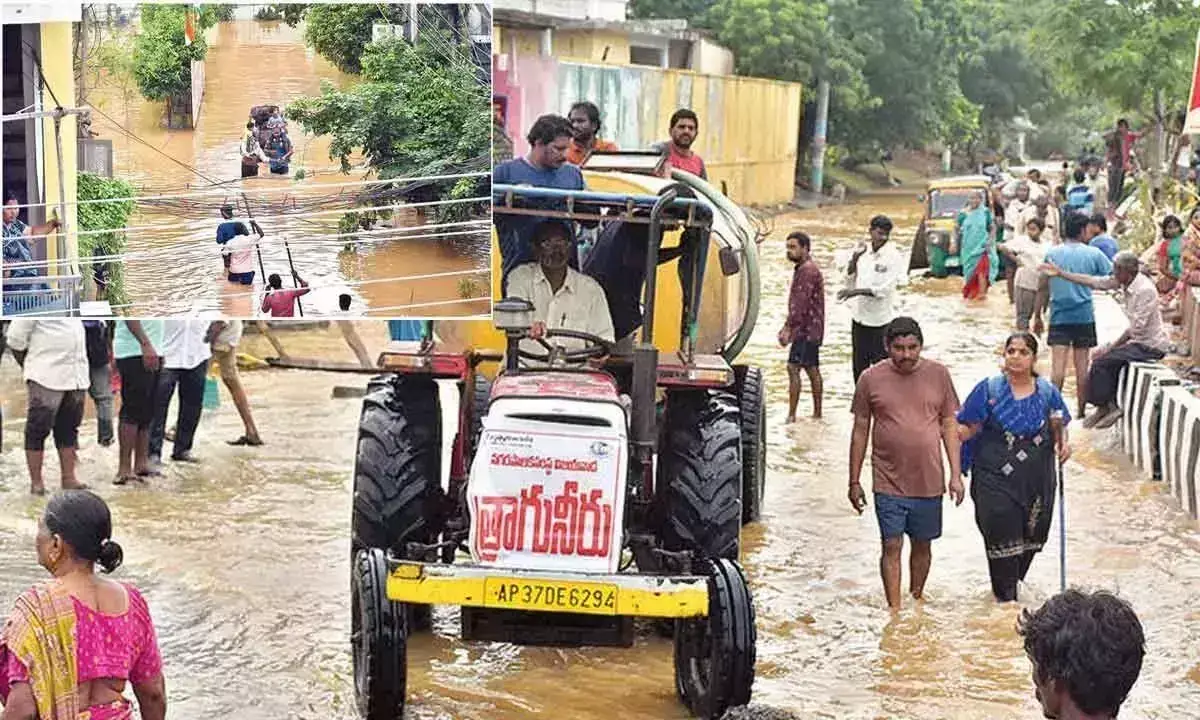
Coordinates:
<point>1056,421</point>
<point>1062,531</point>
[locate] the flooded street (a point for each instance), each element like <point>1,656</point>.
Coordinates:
<point>177,269</point>
<point>244,559</point>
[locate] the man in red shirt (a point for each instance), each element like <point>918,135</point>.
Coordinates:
<point>684,127</point>
<point>805,324</point>
<point>1120,147</point>
<point>279,302</point>
<point>585,120</point>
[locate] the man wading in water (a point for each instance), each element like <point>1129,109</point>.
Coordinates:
<point>874,272</point>
<point>907,407</point>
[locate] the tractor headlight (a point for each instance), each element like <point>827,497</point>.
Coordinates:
<point>936,238</point>
<point>513,314</point>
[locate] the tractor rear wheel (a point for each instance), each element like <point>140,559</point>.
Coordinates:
<point>398,495</point>
<point>715,655</point>
<point>751,398</point>
<point>700,474</point>
<point>378,640</point>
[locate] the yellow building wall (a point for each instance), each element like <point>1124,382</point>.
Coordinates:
<point>577,45</point>
<point>60,75</point>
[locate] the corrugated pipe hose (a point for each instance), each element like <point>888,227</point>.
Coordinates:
<point>750,280</point>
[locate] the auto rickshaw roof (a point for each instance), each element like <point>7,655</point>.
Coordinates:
<point>961,181</point>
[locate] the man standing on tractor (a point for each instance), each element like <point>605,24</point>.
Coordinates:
<point>907,408</point>
<point>585,119</point>
<point>562,297</point>
<point>684,127</point>
<point>544,166</point>
<point>804,328</point>
<point>874,272</point>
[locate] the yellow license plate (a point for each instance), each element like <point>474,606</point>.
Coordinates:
<point>551,596</point>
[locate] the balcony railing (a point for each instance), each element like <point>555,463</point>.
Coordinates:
<point>47,296</point>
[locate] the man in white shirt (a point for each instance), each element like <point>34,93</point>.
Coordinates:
<point>874,272</point>
<point>53,356</point>
<point>1026,251</point>
<point>186,352</point>
<point>562,297</point>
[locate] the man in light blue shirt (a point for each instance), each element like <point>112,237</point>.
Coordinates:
<point>1097,236</point>
<point>1072,313</point>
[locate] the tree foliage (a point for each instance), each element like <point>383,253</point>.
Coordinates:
<point>416,111</point>
<point>161,58</point>
<point>112,216</point>
<point>341,33</point>
<point>1122,50</point>
<point>911,72</point>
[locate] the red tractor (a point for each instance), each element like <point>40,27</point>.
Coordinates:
<point>580,496</point>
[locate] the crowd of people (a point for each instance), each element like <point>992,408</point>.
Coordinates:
<point>64,361</point>
<point>266,141</point>
<point>583,275</point>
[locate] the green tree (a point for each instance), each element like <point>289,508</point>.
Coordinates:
<point>416,111</point>
<point>341,33</point>
<point>1131,53</point>
<point>111,216</point>
<point>693,10</point>
<point>161,59</point>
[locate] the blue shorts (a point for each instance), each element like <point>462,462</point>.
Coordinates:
<point>246,278</point>
<point>918,518</point>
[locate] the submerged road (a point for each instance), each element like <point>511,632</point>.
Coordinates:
<point>244,559</point>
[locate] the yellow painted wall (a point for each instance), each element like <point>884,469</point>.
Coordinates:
<point>577,45</point>
<point>57,66</point>
<point>753,146</point>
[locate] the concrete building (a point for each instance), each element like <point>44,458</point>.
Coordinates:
<point>598,31</point>
<point>548,54</point>
<point>39,76</point>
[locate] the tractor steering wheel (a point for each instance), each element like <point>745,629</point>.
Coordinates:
<point>596,347</point>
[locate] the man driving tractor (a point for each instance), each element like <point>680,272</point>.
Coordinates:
<point>562,297</point>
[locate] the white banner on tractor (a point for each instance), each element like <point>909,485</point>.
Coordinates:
<point>544,500</point>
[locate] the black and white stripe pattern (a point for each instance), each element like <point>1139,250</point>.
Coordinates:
<point>1139,392</point>
<point>1179,440</point>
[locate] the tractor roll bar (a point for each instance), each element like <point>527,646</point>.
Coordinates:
<point>625,206</point>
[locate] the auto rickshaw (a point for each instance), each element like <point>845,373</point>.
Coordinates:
<point>936,244</point>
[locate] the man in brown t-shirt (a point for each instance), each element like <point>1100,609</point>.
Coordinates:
<point>911,404</point>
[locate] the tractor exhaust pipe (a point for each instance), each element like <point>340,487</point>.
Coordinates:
<point>645,355</point>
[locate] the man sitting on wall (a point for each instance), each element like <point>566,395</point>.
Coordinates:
<point>562,297</point>
<point>1145,340</point>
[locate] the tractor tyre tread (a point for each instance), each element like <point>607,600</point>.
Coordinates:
<point>700,471</point>
<point>751,394</point>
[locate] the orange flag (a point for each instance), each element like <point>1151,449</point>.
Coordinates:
<point>189,27</point>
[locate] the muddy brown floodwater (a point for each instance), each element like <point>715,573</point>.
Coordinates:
<point>178,270</point>
<point>245,558</point>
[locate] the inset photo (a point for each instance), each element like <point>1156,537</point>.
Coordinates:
<point>316,160</point>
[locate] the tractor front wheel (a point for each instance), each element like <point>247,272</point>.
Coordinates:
<point>398,495</point>
<point>378,640</point>
<point>714,655</point>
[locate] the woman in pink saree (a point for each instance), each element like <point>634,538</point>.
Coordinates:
<point>73,643</point>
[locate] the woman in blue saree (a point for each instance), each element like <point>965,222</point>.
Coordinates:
<point>977,248</point>
<point>1013,428</point>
